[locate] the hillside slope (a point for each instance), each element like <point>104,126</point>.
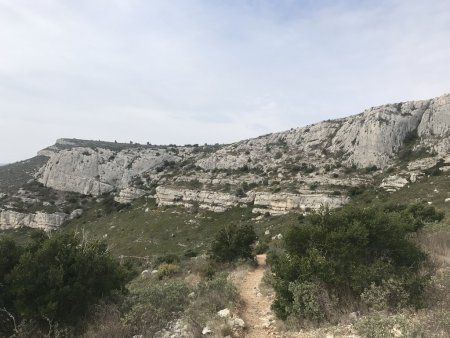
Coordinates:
<point>302,169</point>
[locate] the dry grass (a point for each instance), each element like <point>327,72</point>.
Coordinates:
<point>108,324</point>
<point>436,242</point>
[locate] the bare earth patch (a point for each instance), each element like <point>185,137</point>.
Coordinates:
<point>256,310</point>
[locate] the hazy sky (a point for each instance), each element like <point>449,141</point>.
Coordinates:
<point>196,71</point>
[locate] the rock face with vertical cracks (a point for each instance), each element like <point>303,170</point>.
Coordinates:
<point>94,172</point>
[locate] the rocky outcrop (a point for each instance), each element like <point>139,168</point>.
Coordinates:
<point>210,200</point>
<point>282,203</point>
<point>434,129</point>
<point>372,138</point>
<point>13,220</point>
<point>76,213</point>
<point>422,164</point>
<point>128,195</point>
<point>94,172</point>
<point>263,202</point>
<point>393,183</point>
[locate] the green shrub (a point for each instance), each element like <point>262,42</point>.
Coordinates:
<point>354,191</point>
<point>260,248</point>
<point>168,259</point>
<point>307,301</point>
<point>152,305</point>
<point>207,269</point>
<point>210,296</point>
<point>58,278</point>
<point>346,251</point>
<point>189,253</point>
<point>378,325</point>
<point>390,295</point>
<point>278,155</point>
<point>167,270</point>
<point>233,242</point>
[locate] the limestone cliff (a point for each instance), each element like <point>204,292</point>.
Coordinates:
<point>96,171</point>
<point>280,171</point>
<point>13,220</point>
<point>372,138</point>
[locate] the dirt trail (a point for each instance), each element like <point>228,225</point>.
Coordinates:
<point>256,312</point>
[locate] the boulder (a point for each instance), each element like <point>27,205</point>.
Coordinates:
<point>224,313</point>
<point>128,195</point>
<point>393,183</point>
<point>206,330</point>
<point>76,213</point>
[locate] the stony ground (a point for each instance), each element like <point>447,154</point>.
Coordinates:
<point>256,311</point>
<point>260,320</point>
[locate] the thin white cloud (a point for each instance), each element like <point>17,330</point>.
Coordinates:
<point>196,71</point>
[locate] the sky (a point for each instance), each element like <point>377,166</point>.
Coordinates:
<point>207,71</point>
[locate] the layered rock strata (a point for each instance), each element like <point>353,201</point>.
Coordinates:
<point>263,202</point>
<point>40,220</point>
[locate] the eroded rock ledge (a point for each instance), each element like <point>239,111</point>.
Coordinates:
<point>40,220</point>
<point>273,203</point>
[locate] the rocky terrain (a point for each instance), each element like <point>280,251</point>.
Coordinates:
<point>301,169</point>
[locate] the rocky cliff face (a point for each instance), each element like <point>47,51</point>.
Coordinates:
<point>299,169</point>
<point>13,220</point>
<point>372,138</point>
<point>262,202</point>
<point>97,171</point>
<point>434,129</point>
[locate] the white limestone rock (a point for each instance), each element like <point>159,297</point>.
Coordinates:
<point>76,213</point>
<point>434,129</point>
<point>223,313</point>
<point>14,220</point>
<point>275,204</point>
<point>373,137</point>
<point>128,195</point>
<point>423,164</point>
<point>210,200</point>
<point>206,330</point>
<point>393,183</point>
<point>238,322</point>
<point>281,203</point>
<point>95,172</point>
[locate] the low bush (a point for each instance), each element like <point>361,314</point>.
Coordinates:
<point>343,253</point>
<point>389,295</point>
<point>261,247</point>
<point>151,305</point>
<point>167,270</point>
<point>308,300</point>
<point>233,242</point>
<point>56,280</point>
<point>210,296</point>
<point>167,258</point>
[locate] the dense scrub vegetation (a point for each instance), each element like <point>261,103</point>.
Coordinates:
<point>54,281</point>
<point>233,242</point>
<point>349,259</point>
